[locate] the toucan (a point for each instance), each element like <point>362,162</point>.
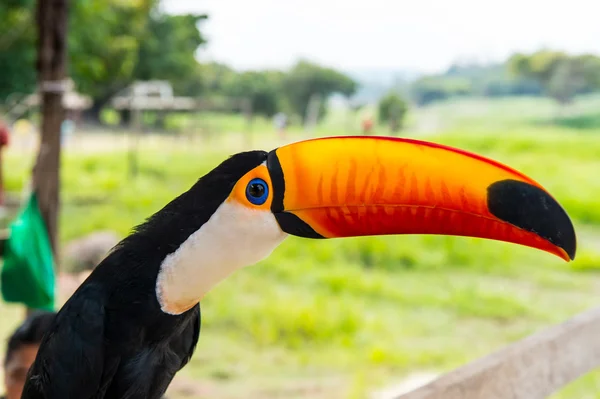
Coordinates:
<point>135,321</point>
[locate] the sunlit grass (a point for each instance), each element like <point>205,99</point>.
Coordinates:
<point>362,312</point>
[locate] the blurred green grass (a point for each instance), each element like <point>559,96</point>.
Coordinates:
<point>366,311</point>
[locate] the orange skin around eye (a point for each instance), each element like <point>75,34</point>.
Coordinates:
<point>238,194</point>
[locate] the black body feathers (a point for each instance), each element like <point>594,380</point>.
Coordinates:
<point>111,339</point>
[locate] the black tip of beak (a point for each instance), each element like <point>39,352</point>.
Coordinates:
<point>532,209</point>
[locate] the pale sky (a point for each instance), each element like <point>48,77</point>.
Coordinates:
<point>424,35</point>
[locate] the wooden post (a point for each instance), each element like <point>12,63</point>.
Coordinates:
<point>312,112</point>
<point>51,65</point>
<point>134,140</point>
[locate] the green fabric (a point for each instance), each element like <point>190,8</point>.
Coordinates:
<point>27,276</point>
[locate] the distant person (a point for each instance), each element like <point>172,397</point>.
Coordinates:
<point>280,121</point>
<point>4,136</point>
<point>367,125</point>
<point>21,351</point>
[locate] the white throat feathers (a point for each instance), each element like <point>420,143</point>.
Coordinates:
<point>235,236</point>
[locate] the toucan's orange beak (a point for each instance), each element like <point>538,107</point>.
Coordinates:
<point>359,186</point>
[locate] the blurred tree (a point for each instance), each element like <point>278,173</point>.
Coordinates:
<point>217,82</point>
<point>502,86</point>
<point>493,80</point>
<point>104,45</point>
<point>565,81</point>
<point>113,43</point>
<point>263,88</point>
<point>392,110</point>
<point>307,79</point>
<point>562,76</point>
<point>213,78</point>
<point>167,50</point>
<point>590,69</point>
<point>429,89</point>
<point>17,47</point>
<point>472,79</point>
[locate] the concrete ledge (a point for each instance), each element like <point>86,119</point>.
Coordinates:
<point>533,368</point>
<point>410,383</point>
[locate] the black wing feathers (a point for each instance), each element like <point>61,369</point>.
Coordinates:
<point>71,360</point>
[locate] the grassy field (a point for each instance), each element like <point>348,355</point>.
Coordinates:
<point>341,318</point>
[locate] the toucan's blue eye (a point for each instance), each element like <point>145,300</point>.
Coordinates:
<point>257,191</point>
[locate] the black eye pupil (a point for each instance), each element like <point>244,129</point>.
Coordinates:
<point>256,190</point>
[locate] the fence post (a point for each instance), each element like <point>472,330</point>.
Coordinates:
<point>532,368</point>
<point>51,63</point>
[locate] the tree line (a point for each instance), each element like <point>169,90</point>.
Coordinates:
<point>554,74</point>
<point>113,43</point>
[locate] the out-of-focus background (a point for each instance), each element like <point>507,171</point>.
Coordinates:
<point>161,92</point>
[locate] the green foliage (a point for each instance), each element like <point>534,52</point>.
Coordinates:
<point>271,91</point>
<point>559,75</point>
<point>539,65</point>
<point>581,122</point>
<point>17,48</point>
<point>104,42</point>
<point>428,89</point>
<point>306,79</point>
<point>214,78</point>
<point>392,109</point>
<point>167,50</point>
<point>563,76</point>
<point>110,117</point>
<point>262,88</point>
<point>472,80</point>
<point>113,43</point>
<point>493,80</point>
